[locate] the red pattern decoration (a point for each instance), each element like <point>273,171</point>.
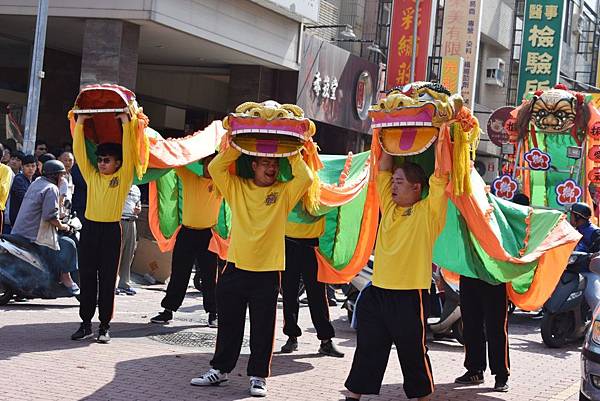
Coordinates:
<point>505,187</point>
<point>568,192</point>
<point>537,159</point>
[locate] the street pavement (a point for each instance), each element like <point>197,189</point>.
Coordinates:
<point>144,361</point>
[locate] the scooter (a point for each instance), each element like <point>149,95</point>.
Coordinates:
<point>447,324</point>
<point>25,274</point>
<point>566,314</point>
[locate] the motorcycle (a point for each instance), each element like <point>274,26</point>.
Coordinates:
<point>566,313</point>
<point>25,274</point>
<point>447,323</point>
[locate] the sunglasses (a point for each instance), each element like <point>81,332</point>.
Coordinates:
<point>105,160</point>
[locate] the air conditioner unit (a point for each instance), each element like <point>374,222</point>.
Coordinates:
<point>494,71</point>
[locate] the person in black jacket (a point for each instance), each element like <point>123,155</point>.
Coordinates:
<point>20,185</point>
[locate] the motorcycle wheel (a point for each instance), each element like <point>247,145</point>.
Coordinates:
<point>6,294</point>
<point>197,281</point>
<point>556,328</point>
<point>457,331</point>
<point>583,397</point>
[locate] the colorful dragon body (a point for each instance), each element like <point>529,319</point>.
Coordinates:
<point>485,237</point>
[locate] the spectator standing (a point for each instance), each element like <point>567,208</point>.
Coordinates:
<point>16,161</point>
<point>20,185</point>
<point>79,192</point>
<point>41,147</point>
<point>131,210</point>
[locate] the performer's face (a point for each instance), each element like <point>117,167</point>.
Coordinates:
<point>265,170</point>
<point>404,192</point>
<point>108,164</point>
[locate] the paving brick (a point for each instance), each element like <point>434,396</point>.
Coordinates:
<point>38,361</point>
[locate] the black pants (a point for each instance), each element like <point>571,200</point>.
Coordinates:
<point>386,317</point>
<point>191,246</point>
<point>300,260</point>
<point>99,252</point>
<point>237,290</point>
<point>485,315</point>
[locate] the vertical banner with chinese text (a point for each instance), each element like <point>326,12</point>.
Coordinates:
<point>401,42</point>
<point>460,37</point>
<point>452,73</point>
<point>540,50</point>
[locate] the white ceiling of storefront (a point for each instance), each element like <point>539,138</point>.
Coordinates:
<point>158,44</point>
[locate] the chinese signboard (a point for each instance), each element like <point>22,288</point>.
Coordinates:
<point>331,80</point>
<point>460,37</point>
<point>540,50</point>
<point>452,73</point>
<point>401,42</point>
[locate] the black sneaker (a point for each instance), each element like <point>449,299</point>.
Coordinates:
<point>84,331</point>
<point>329,349</point>
<point>471,377</point>
<point>103,336</point>
<point>163,317</point>
<point>501,384</point>
<point>290,346</point>
<point>212,320</point>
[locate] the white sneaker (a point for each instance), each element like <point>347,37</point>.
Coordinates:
<point>213,377</point>
<point>258,387</point>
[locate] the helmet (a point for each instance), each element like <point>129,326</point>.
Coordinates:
<point>582,210</point>
<point>52,167</point>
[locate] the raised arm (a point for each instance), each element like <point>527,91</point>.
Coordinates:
<point>437,200</point>
<point>384,181</point>
<point>303,177</point>
<point>128,143</point>
<point>79,149</point>
<point>219,171</point>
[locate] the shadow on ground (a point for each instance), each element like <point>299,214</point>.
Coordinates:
<point>56,336</point>
<point>168,377</point>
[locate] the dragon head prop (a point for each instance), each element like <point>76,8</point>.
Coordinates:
<point>554,111</point>
<point>103,101</point>
<point>409,118</point>
<point>269,129</point>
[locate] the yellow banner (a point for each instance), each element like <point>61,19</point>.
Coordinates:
<point>452,71</point>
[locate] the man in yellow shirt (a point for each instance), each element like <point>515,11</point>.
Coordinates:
<point>256,258</point>
<point>301,261</point>
<point>108,184</point>
<point>393,309</point>
<point>6,177</point>
<point>201,203</point>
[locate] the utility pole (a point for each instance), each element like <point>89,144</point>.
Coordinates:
<point>35,78</point>
<point>414,43</point>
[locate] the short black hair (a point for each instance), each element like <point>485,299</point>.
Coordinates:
<point>110,149</point>
<point>46,156</point>
<point>40,142</point>
<point>28,159</point>
<point>413,173</point>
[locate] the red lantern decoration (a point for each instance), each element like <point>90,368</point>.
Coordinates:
<point>594,131</point>
<point>594,175</point>
<point>594,153</point>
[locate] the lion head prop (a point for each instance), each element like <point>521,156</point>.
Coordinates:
<point>554,111</point>
<point>409,120</point>
<point>269,129</point>
<point>102,101</point>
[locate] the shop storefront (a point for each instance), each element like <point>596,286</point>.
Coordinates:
<point>335,89</point>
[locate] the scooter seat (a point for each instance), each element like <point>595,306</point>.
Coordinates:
<point>19,241</point>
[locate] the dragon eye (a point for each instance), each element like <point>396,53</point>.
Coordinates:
<point>424,97</point>
<point>560,114</point>
<point>406,88</point>
<point>542,113</point>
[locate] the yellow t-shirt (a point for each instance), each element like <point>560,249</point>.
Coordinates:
<point>300,230</point>
<point>6,176</point>
<point>406,236</point>
<point>258,214</point>
<point>106,194</point>
<point>201,200</point>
